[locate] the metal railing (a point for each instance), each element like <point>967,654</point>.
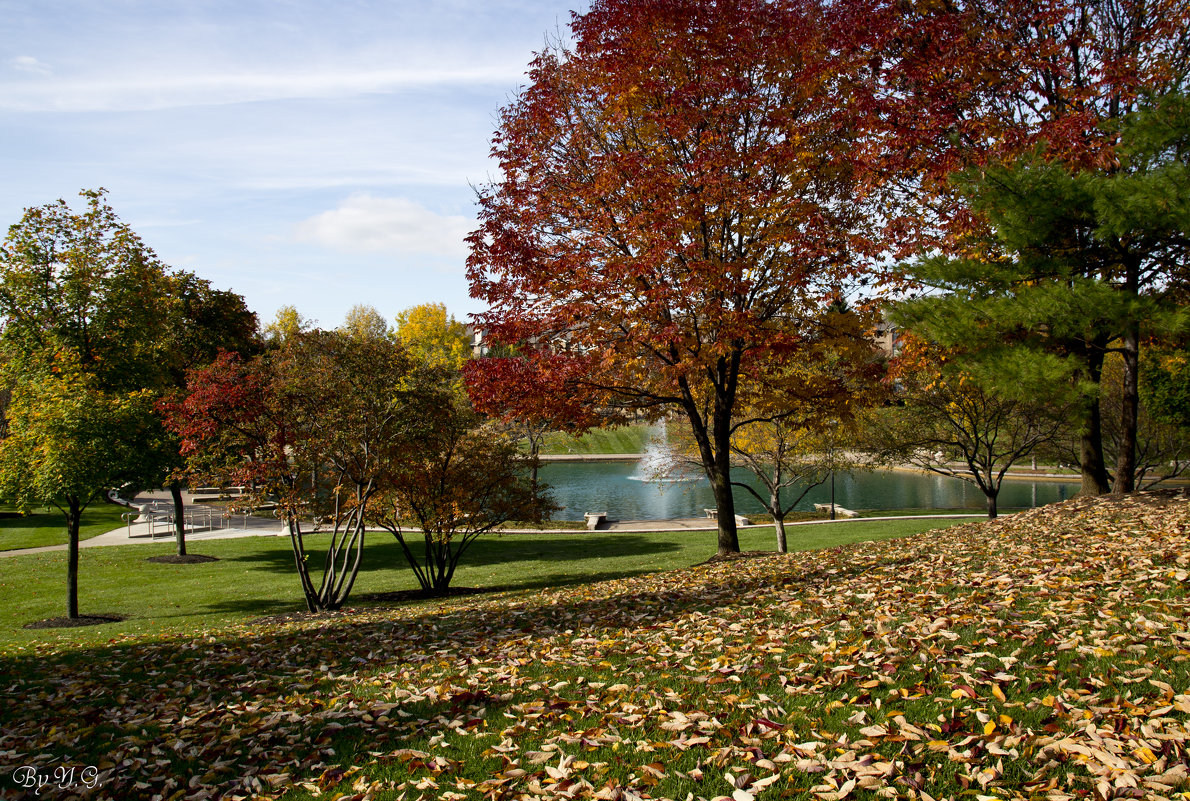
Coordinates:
<point>161,519</point>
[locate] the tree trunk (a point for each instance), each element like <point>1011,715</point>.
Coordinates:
<point>73,518</point>
<point>729,541</point>
<point>175,490</point>
<point>534,461</point>
<point>782,543</point>
<point>440,567</point>
<point>728,537</point>
<point>992,511</point>
<point>299,559</point>
<point>1094,471</point>
<point>1126,458</point>
<point>714,448</point>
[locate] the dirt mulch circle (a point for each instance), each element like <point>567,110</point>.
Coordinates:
<point>299,616</point>
<point>733,557</point>
<point>401,596</point>
<point>188,559</point>
<point>73,622</point>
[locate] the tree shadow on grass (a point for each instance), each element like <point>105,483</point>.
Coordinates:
<point>296,607</point>
<point>74,622</point>
<point>382,552</point>
<point>537,552</point>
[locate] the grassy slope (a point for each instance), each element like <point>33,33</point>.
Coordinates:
<point>1034,657</point>
<point>255,575</point>
<point>626,439</point>
<point>49,528</point>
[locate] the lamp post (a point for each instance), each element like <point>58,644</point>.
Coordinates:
<point>832,486</point>
<point>831,457</point>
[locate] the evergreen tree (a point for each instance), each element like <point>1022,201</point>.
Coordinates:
<point>1076,263</point>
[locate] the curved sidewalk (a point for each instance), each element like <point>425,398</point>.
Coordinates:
<point>237,525</point>
<point>139,533</point>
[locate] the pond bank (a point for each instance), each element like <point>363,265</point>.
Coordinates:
<point>636,457</point>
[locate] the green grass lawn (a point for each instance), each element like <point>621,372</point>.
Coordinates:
<point>625,439</point>
<point>255,576</point>
<point>905,512</point>
<point>43,527</point>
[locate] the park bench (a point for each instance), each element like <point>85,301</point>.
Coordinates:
<point>839,510</point>
<point>740,520</point>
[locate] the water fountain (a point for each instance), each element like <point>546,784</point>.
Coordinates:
<point>644,490</point>
<point>660,464</point>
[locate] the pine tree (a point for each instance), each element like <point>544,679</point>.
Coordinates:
<point>1076,263</point>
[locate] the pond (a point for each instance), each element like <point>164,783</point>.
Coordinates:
<point>619,489</point>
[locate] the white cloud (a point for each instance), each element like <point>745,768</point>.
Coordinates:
<point>30,65</point>
<point>365,223</point>
<point>115,92</point>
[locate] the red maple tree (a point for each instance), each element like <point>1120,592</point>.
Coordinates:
<point>532,393</point>
<point>238,429</point>
<point>228,435</point>
<point>682,194</point>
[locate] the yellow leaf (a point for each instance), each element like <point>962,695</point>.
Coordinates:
<point>1145,755</point>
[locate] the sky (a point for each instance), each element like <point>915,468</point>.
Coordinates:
<point>298,152</point>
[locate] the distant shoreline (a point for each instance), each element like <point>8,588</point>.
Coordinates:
<point>591,457</point>
<point>636,457</point>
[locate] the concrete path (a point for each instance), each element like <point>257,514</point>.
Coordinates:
<point>238,525</point>
<point>138,533</point>
<point>591,457</point>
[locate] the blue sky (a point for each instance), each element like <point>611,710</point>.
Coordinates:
<point>300,153</point>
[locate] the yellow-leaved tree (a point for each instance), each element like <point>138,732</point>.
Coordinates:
<point>434,337</point>
<point>363,323</point>
<point>287,323</point>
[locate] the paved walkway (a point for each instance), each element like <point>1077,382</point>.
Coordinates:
<point>238,525</point>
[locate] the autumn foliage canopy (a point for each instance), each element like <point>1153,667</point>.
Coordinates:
<point>681,195</point>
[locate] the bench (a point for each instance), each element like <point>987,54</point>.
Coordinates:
<point>595,519</point>
<point>839,510</point>
<point>740,520</point>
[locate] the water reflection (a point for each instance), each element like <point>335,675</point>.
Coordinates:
<point>616,488</point>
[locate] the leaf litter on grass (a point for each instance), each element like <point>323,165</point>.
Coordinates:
<point>1043,655</point>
